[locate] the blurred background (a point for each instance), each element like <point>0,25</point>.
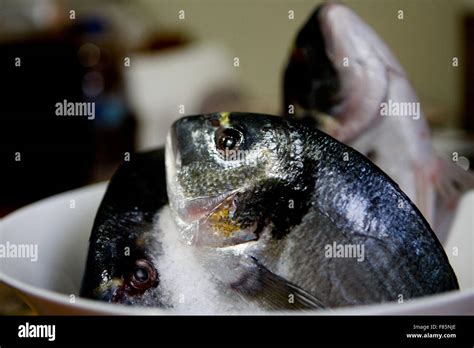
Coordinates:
<point>145,63</point>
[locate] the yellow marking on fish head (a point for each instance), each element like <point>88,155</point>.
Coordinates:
<point>224,119</point>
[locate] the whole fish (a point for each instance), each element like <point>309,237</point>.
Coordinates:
<point>344,79</point>
<point>137,258</point>
<point>303,206</point>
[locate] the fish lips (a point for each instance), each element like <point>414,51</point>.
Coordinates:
<point>108,291</point>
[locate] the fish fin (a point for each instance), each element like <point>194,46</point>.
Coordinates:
<point>438,189</point>
<point>425,192</point>
<point>274,291</point>
<point>451,182</point>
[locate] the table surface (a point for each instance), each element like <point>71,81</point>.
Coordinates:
<point>11,302</point>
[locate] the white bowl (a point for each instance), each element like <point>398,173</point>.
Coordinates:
<point>60,227</point>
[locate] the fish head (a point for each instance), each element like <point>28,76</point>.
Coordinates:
<point>338,71</point>
<point>311,81</point>
<point>224,171</point>
<point>123,269</point>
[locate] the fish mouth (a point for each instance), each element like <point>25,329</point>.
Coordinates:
<point>329,18</point>
<point>108,291</point>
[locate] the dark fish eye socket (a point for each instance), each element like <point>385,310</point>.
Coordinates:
<point>144,275</point>
<point>228,139</point>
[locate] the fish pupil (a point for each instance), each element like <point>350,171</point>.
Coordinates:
<point>229,143</point>
<point>141,275</point>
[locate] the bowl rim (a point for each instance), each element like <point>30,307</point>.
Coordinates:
<point>97,307</point>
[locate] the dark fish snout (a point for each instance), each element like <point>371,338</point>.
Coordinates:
<point>185,145</point>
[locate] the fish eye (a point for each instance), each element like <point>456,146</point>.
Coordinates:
<point>228,139</point>
<point>144,275</point>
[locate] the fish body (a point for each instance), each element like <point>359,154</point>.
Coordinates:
<point>300,204</point>
<point>344,79</point>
